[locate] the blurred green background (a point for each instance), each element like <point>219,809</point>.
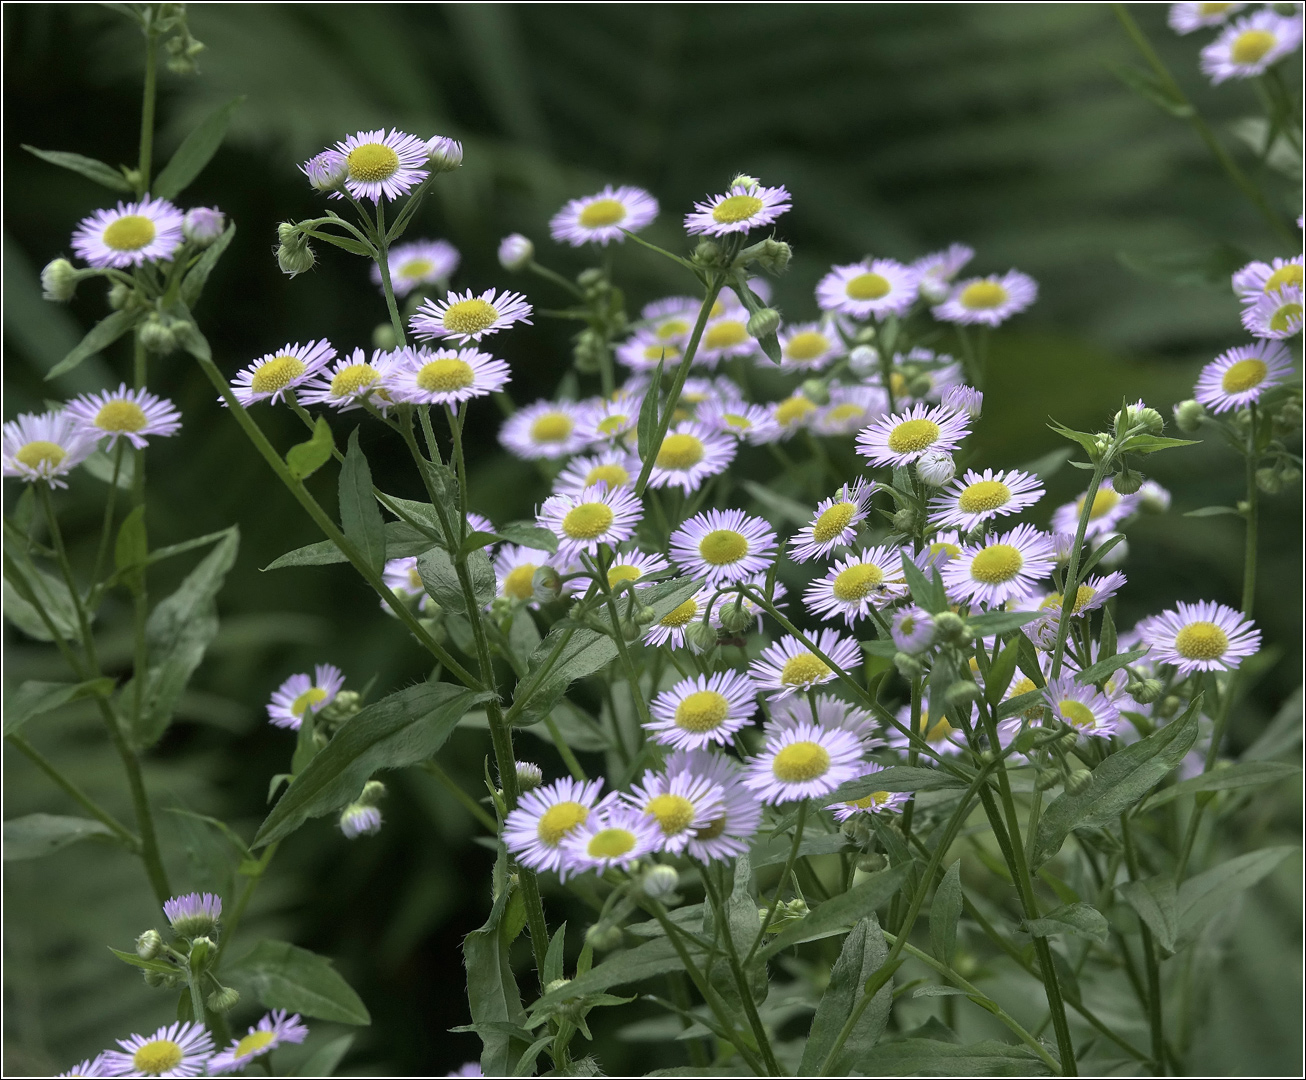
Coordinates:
<point>898,129</point>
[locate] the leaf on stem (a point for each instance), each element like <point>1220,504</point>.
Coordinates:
<point>304,459</point>
<point>1155,901</point>
<point>37,835</point>
<point>100,336</point>
<point>841,912</point>
<point>1104,668</point>
<point>945,912</point>
<point>102,174</point>
<point>1077,920</point>
<point>927,592</point>
<point>194,152</point>
<point>894,778</point>
<point>440,578</point>
<point>34,698</point>
<point>131,549</point>
<point>359,515</point>
<point>284,976</point>
<point>931,1057</point>
<point>1204,896</point>
<point>864,951</point>
<point>192,285</point>
<point>647,427</point>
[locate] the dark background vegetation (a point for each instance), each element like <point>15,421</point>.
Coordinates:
<point>897,128</point>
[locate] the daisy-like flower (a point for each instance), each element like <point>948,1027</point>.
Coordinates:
<point>89,1067</point>
<point>1277,314</point>
<point>325,171</point>
<point>725,338</point>
<point>870,289</point>
<point>469,1068</point>
<point>876,802</point>
<point>1110,508</point>
<point>404,581</point>
<point>940,550</point>
<point>547,429</point>
<point>1205,636</point>
<point>1091,595</point>
<point>547,816</point>
<point>964,399</point>
<point>679,802</point>
<point>615,835</point>
<point>853,585</point>
<point>794,413</point>
<point>598,515</point>
<point>130,234</point>
<point>903,437</point>
<point>671,319</point>
<point>1256,279</point>
<point>1000,568</point>
<point>446,376</point>
<point>45,446</point>
<point>1250,46</point>
<point>377,164</point>
<point>851,408</point>
<point>272,376</point>
<point>123,413</point>
<point>824,710</point>
<point>617,468</point>
<point>938,733</point>
<point>272,1031</point>
<point>635,566</point>
<point>723,546</point>
<point>469,317</point>
<point>690,453</point>
<point>1084,708</point>
<point>747,205</point>
<point>353,379</point>
<point>809,346</point>
<point>726,835</point>
<point>177,1049</point>
<point>912,629</point>
<point>670,629</point>
<point>788,666</point>
<point>598,219</point>
<point>805,761</point>
<point>643,351</point>
<point>423,262</point>
<point>700,711</point>
<point>751,423</point>
<point>979,497</point>
<point>194,914</point>
<point>923,375</point>
<point>937,270</point>
<point>1185,18</point>
<point>299,693</point>
<point>989,301</point>
<point>610,419</point>
<point>514,571</point>
<point>834,524</point>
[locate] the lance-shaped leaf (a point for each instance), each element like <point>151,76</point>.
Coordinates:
<point>399,730</point>
<point>840,912</point>
<point>26,588</point>
<point>926,591</point>
<point>894,778</point>
<point>989,623</point>
<point>194,152</point>
<point>1241,774</point>
<point>34,698</point>
<point>1077,920</point>
<point>440,578</point>
<point>863,952</point>
<point>1104,668</point>
<point>1154,899</point>
<point>284,976</point>
<point>102,174</point>
<point>1117,784</point>
<point>1204,896</point>
<point>197,276</point>
<point>656,957</point>
<point>359,515</point>
<point>931,1057</point>
<point>945,911</point>
<point>492,992</point>
<point>647,427</point>
<point>401,540</point>
<point>100,336</point>
<point>327,1058</point>
<point>36,835</point>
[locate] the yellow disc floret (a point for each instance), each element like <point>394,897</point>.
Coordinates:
<point>1283,318</point>
<point>40,453</point>
<point>351,379</point>
<point>803,669</point>
<point>602,212</point>
<point>559,820</point>
<point>680,451</point>
<point>1244,375</point>
<point>983,295</point>
<point>254,1042</point>
<point>517,583</point>
<point>736,208</point>
<point>470,316</point>
<point>416,268</point>
<point>1106,500</point>
<point>131,232</point>
<point>588,521</point>
<point>372,162</point>
<point>857,582</point>
<point>724,334</point>
<point>807,346</point>
<point>1291,274</point>
<point>120,416</point>
<point>721,547</point>
<point>800,761</point>
<point>996,564</point>
<point>309,699</point>
<point>793,409</point>
<point>672,328</point>
<point>551,427</point>
<point>610,843</point>
<point>681,615</point>
<point>674,813</point>
<point>984,495</point>
<point>276,374</point>
<point>1251,45</point>
<point>625,572</point>
<point>703,710</point>
<point>871,801</point>
<point>157,1057</point>
<point>445,376</point>
<point>832,522</point>
<point>912,436</point>
<point>1077,713</point>
<point>867,287</point>
<point>1201,640</point>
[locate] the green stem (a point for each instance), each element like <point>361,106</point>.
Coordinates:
<point>1072,569</point>
<point>556,278</point>
<point>383,264</point>
<point>128,838</point>
<point>232,921</point>
<point>1249,556</point>
<point>1154,1014</point>
<point>147,119</point>
<point>465,800</point>
<point>784,880</point>
<point>106,529</point>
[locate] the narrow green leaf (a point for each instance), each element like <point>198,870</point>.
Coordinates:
<point>930,1057</point>
<point>518,532</point>
<point>440,578</point>
<point>1212,511</point>
<point>1107,636</point>
<point>161,966</point>
<point>1239,775</point>
<point>492,992</point>
<point>647,427</point>
<point>194,152</point>
<point>192,285</point>
<point>359,515</point>
<point>840,912</point>
<point>34,698</point>
<point>1098,554</point>
<point>1149,88</point>
<point>1077,920</point>
<point>894,778</point>
<point>1155,901</point>
<point>326,1059</point>
<point>401,540</point>
<point>102,174</point>
<point>1049,464</point>
<point>1283,733</point>
<point>284,976</point>
<point>553,958</point>
<point>1150,444</point>
<point>1001,673</point>
<point>36,835</point>
<point>1087,441</point>
<point>100,466</point>
<point>863,952</point>
<point>656,957</point>
<point>779,509</point>
<point>304,459</point>
<point>1204,896</point>
<point>1104,668</point>
<point>990,623</point>
<point>100,336</point>
<point>132,549</point>
<point>945,912</point>
<point>927,592</point>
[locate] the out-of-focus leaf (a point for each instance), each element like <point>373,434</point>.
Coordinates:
<point>326,1058</point>
<point>989,623</point>
<point>36,835</point>
<point>100,336</point>
<point>304,459</point>
<point>359,515</point>
<point>779,509</point>
<point>1238,775</point>
<point>1154,900</point>
<point>284,976</point>
<point>132,549</point>
<point>863,952</point>
<point>1212,511</point>
<point>194,152</point>
<point>100,466</point>
<point>1204,896</point>
<point>1211,266</point>
<point>840,912</point>
<point>1283,734</point>
<point>929,1057</point>
<point>102,174</point>
<point>894,778</point>
<point>34,698</point>
<point>945,911</point>
<point>1078,920</point>
<point>1147,86</point>
<point>646,428</point>
<point>656,957</point>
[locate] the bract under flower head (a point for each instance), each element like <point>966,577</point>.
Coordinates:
<point>979,497</point>
<point>1200,637</point>
<point>703,710</point>
<point>605,217</point>
<point>903,437</point>
<point>380,163</point>
<point>275,374</point>
<point>468,317</point>
<point>690,453</point>
<point>299,693</point>
<point>788,666</point>
<point>45,446</point>
<point>177,1049</point>
<point>745,206</point>
<point>834,524</point>
<point>130,234</point>
<point>804,761</point>
<point>722,546</point>
<point>1000,568</point>
<point>597,515</point>
<point>273,1030</point>
<point>546,429</point>
<point>988,301</point>
<point>421,262</point>
<point>872,288</point>
<point>545,817</point>
<point>855,584</point>
<point>1251,45</point>
<point>193,914</point>
<point>446,376</point>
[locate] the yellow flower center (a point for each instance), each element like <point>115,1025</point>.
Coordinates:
<point>679,616</point>
<point>602,212</point>
<point>672,328</point>
<point>793,409</point>
<point>445,376</point>
<point>832,522</point>
<point>736,208</point>
<point>940,547</point>
<point>1243,375</point>
<point>802,669</point>
<point>1053,601</point>
<point>857,582</point>
<point>680,451</point>
<point>721,547</point>
<point>517,582</point>
<point>996,564</point>
<point>1215,9</point>
<point>984,495</point>
<point>898,384</point>
<point>939,732</point>
<point>1077,713</point>
<point>120,416</point>
<point>736,421</point>
<point>800,761</point>
<point>673,813</point>
<point>982,295</point>
<point>874,799</point>
<point>611,843</point>
<point>416,268</point>
<point>470,316</point>
<point>559,820</point>
<point>276,374</point>
<point>867,287</point>
<point>254,1042</point>
<point>912,436</point>
<point>350,380</point>
<point>131,232</point>
<point>587,521</point>
<point>372,162</point>
<point>614,476</point>
<point>846,411</point>
<point>612,425</point>
<point>711,830</point>
<point>551,427</point>
<point>1285,275</point>
<point>1283,318</point>
<point>1025,685</point>
<point>157,1056</point>
<point>807,346</point>
<point>309,699</point>
<point>1251,45</point>
<point>703,710</point>
<point>1106,500</point>
<point>625,572</point>
<point>1201,640</point>
<point>723,334</point>
<point>415,579</point>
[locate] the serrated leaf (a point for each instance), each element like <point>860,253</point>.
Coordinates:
<point>1077,920</point>
<point>1205,895</point>
<point>360,517</point>
<point>1155,902</point>
<point>37,835</point>
<point>194,152</point>
<point>304,459</point>
<point>1239,775</point>
<point>34,698</point>
<point>840,912</point>
<point>284,976</point>
<point>1087,441</point>
<point>98,171</point>
<point>863,952</point>
<point>945,912</point>
<point>100,336</point>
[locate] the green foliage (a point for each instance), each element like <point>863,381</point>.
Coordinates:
<point>36,835</point>
<point>284,976</point>
<point>195,151</point>
<point>862,954</point>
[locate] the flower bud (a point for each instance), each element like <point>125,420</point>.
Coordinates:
<point>373,792</point>
<point>223,1000</point>
<point>155,979</point>
<point>965,399</point>
<point>326,171</point>
<point>1078,781</point>
<point>202,225</point>
<point>1188,415</point>
<point>856,830</point>
<point>444,154</point>
<point>1268,481</point>
<point>774,255</point>
<point>1048,778</point>
<point>816,391</point>
<point>951,627</point>
<point>589,278</point>
<point>659,881</point>
<point>603,938</point>
<point>797,908</point>
<point>556,984</point>
<point>295,259</point>
<point>645,615</point>
<point>748,183</point>
<point>908,666</point>
<point>383,337</point>
<point>193,915</point>
<point>1137,416</point>
<point>1063,543</point>
<point>735,618</point>
<point>546,585</point>
<point>201,948</point>
<point>1127,481</point>
<point>119,294</point>
<point>529,776</point>
<point>962,693</point>
<point>631,630</point>
<point>58,280</point>
<point>904,521</point>
<point>869,864</point>
<point>935,291</point>
<point>1145,691</point>
<point>156,335</point>
<point>149,945</point>
<point>345,705</point>
<point>864,359</point>
<point>358,820</point>
<point>701,637</point>
<point>515,252</point>
<point>763,321</point>
<point>1289,473</point>
<point>935,468</point>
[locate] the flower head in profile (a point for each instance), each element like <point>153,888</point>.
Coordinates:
<point>723,546</point>
<point>597,515</point>
<point>88,1067</point>
<point>794,413</point>
<point>605,217</point>
<point>644,350</point>
<point>45,446</point>
<point>273,1030</point>
<point>1251,45</point>
<point>446,376</point>
<point>468,317</point>
<point>193,914</point>
<point>876,802</point>
<point>670,629</point>
<point>1205,636</point>
<point>360,819</point>
<point>988,301</point>
<point>630,565</point>
<point>747,205</point>
<point>326,171</point>
<point>788,666</point>
<point>834,524</point>
<point>679,803</point>
<point>809,347</point>
<point>870,578</point>
<point>613,836</point>
<point>703,710</point>
<point>1000,568</point>
<point>724,338</point>
<point>1185,18</point>
<point>177,1049</point>
<point>123,413</point>
<point>421,262</point>
<point>1256,279</point>
<point>689,454</point>
<point>614,468</point>
<point>937,270</point>
<point>546,429</point>
<point>275,374</point>
<point>130,234</point>
<point>979,497</point>
<point>903,437</point>
<point>1277,314</point>
<point>299,693</point>
<point>1085,708</point>
<point>381,164</point>
<point>547,816</point>
<point>804,761</point>
<point>740,814</point>
<point>870,289</point>
<point>671,318</point>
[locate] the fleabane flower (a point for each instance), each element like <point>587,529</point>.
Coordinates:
<point>834,524</point>
<point>1091,594</point>
<point>703,710</point>
<point>788,666</point>
<point>722,546</point>
<point>127,414</point>
<point>1085,708</point>
<point>469,317</point>
<point>273,375</point>
<point>1000,568</point>
<point>870,289</point>
<point>299,693</point>
<point>612,837</point>
<point>598,515</point>
<point>937,270</point>
<point>130,234</point>
<point>615,468</point>
<point>1205,636</point>
<point>545,817</point>
<point>805,761</point>
<point>794,413</point>
<point>869,578</point>
<point>690,453</point>
<point>351,380</point>
<point>422,262</point>
<point>402,579</point>
<point>812,346</point>
<point>45,446</point>
<point>1250,46</point>
<point>751,423</point>
<point>88,1067</point>
<point>446,376</point>
<point>912,629</point>
<point>679,803</point>
<point>850,409</point>
<point>546,429</point>
<point>670,629</point>
<point>979,497</point>
<point>725,338</point>
<point>601,218</point>
<point>177,1049</point>
<point>877,802</point>
<point>745,206</point>
<point>514,571</point>
<point>1110,508</point>
<point>626,566</point>
<point>1185,18</point>
<point>727,834</point>
<point>939,735</point>
<point>903,437</point>
<point>670,319</point>
<point>612,418</point>
<point>1277,314</point>
<point>380,163</point>
<point>273,1030</point>
<point>1256,279</point>
<point>939,550</point>
<point>643,351</point>
<point>988,301</point>
<point>824,710</point>
<point>194,914</point>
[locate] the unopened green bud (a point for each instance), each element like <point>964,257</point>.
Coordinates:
<point>735,619</point>
<point>295,259</point>
<point>748,183</point>
<point>58,280</point>
<point>200,950</point>
<point>1128,481</point>
<point>132,176</point>
<point>920,386</point>
<point>659,881</point>
<point>149,945</point>
<point>1133,417</point>
<point>157,336</point>
<point>373,792</point>
<point>556,984</point>
<point>1145,691</point>
<point>962,693</point>
<point>1169,705</point>
<point>904,521</point>
<point>774,256</point>
<point>951,627</point>
<point>1243,507</point>
<point>701,637</point>
<point>645,615</point>
<point>1269,481</point>
<point>707,253</point>
<point>865,336</point>
<point>1046,779</point>
<point>603,938</point>
<point>908,666</point>
<point>1188,415</point>
<point>155,979</point>
<point>797,908</point>
<point>546,585</point>
<point>529,776</point>
<point>1289,473</point>
<point>763,321</point>
<point>856,830</point>
<point>1078,781</point>
<point>383,337</point>
<point>119,294</point>
<point>589,277</point>
<point>869,864</point>
<point>345,705</point>
<point>1100,444</point>
<point>223,1000</point>
<point>631,630</point>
